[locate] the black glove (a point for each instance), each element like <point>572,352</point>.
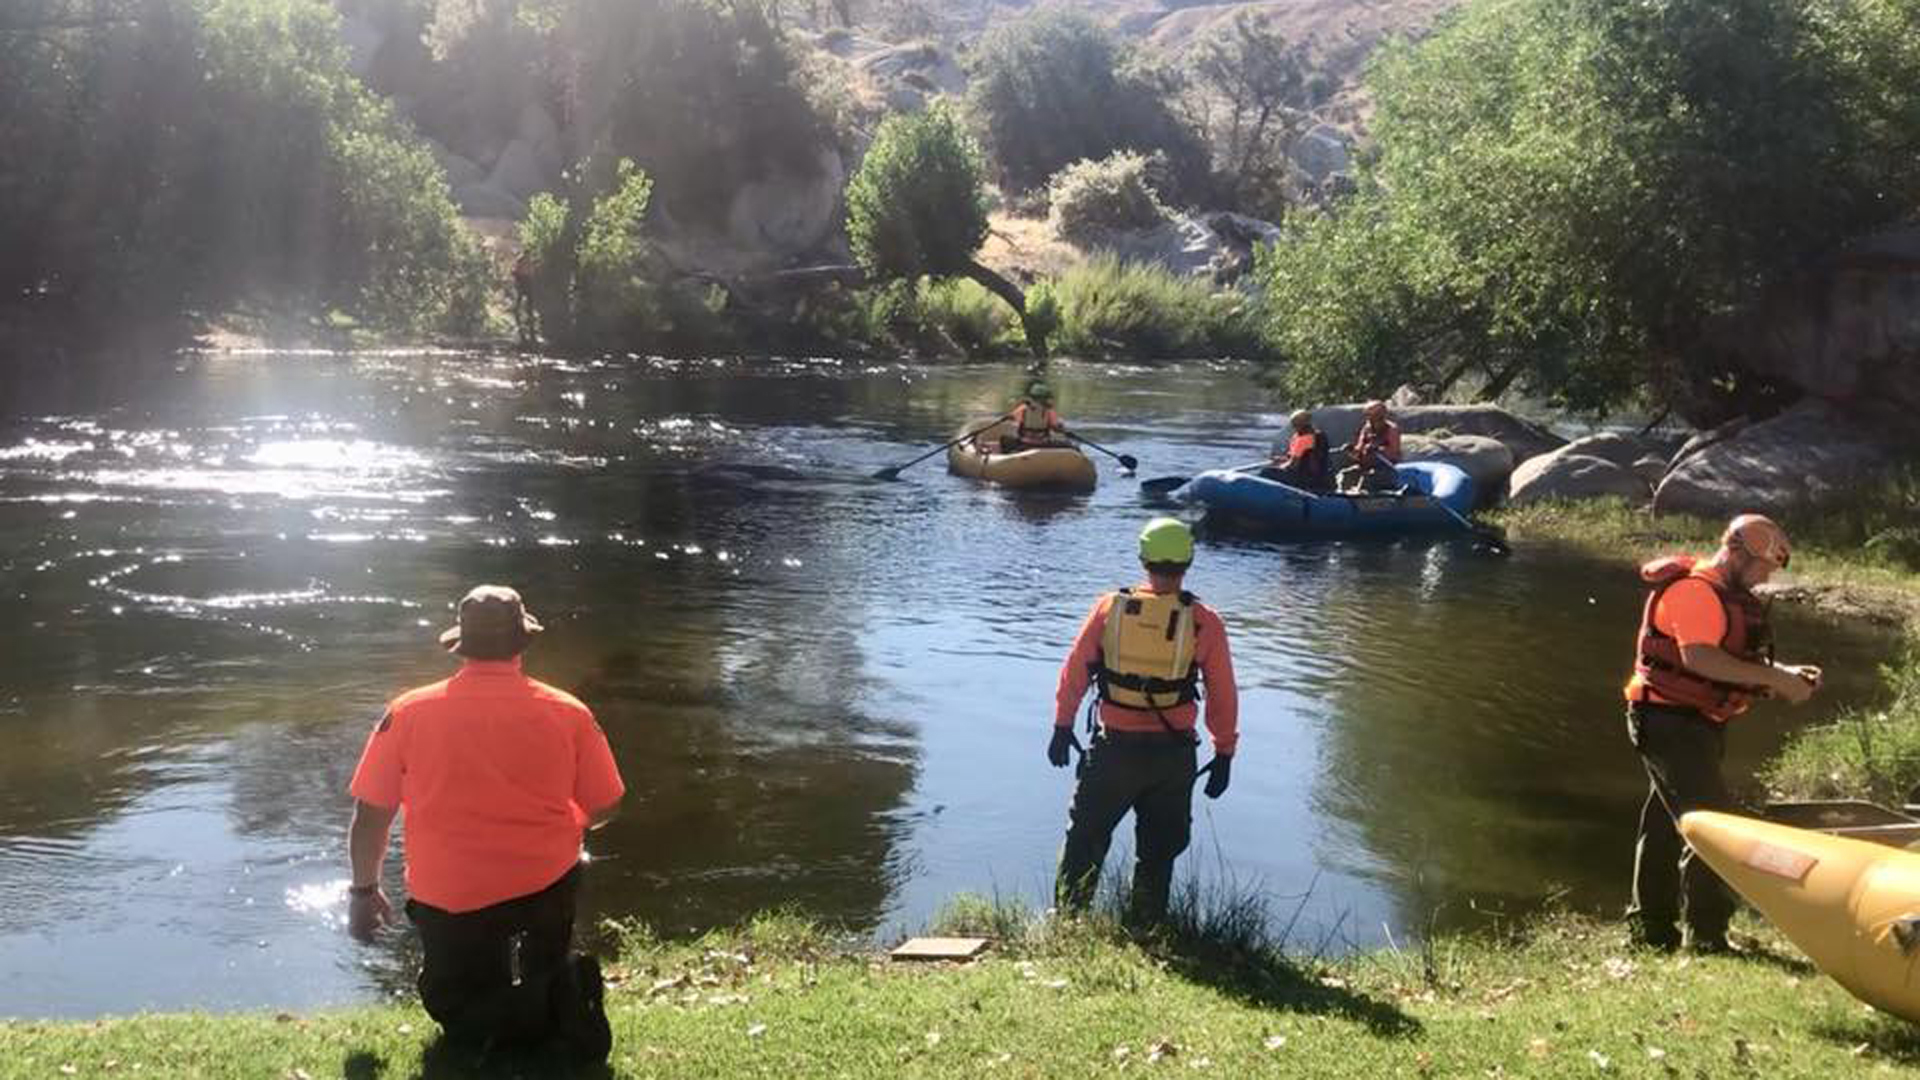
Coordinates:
<point>1057,749</point>
<point>1219,775</point>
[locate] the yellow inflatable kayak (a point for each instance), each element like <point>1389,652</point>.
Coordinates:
<point>1852,906</point>
<point>1053,468</point>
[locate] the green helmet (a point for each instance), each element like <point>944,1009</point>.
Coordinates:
<point>1040,392</point>
<point>1166,540</point>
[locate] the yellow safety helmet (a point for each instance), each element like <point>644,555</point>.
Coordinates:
<point>1166,540</point>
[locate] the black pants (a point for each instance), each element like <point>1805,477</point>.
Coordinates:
<point>1150,774</point>
<point>504,976</point>
<point>1682,751</point>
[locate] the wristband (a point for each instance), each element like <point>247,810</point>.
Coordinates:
<point>363,890</point>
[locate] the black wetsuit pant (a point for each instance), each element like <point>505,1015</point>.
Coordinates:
<point>1151,774</point>
<point>1682,751</point>
<point>504,976</point>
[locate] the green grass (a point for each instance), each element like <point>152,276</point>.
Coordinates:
<point>1866,753</point>
<point>1561,997</point>
<point>1127,310</point>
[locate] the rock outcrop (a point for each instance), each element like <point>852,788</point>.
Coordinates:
<point>1813,454</point>
<point>1524,439</point>
<point>1566,475</point>
<point>1487,460</point>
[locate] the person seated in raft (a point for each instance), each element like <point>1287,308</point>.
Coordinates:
<point>1035,423</point>
<point>1374,452</point>
<point>1302,462</point>
<point>500,777</point>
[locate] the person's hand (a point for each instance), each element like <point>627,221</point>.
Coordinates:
<point>368,913</point>
<point>1219,775</point>
<point>1809,672</point>
<point>1790,685</point>
<point>1058,747</point>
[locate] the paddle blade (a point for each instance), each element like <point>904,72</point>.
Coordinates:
<point>1129,462</point>
<point>1162,485</point>
<point>891,472</point>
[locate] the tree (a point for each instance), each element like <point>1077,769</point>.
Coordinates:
<point>229,157</point>
<point>1251,89</point>
<point>1055,88</point>
<point>1568,193</point>
<point>916,207</point>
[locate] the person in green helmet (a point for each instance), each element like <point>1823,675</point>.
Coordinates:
<point>1145,650</point>
<point>1035,423</point>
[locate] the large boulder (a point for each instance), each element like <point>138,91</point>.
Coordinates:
<point>1847,329</point>
<point>922,65</point>
<point>788,213</point>
<point>486,201</point>
<point>1342,422</point>
<point>1566,475</point>
<point>1813,454</point>
<point>1621,449</point>
<point>1487,460</point>
<point>523,170</point>
<point>1322,152</point>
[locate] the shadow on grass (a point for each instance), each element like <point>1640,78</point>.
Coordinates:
<point>444,1059</point>
<point>1223,938</point>
<point>1884,1037</point>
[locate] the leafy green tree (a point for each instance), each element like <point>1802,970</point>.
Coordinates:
<point>916,207</point>
<point>169,158</point>
<point>1569,193</point>
<point>1055,88</point>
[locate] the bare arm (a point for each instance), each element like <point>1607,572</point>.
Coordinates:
<point>1713,662</point>
<point>367,840</point>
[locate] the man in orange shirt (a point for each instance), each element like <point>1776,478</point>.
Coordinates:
<point>1146,649</point>
<point>500,776</point>
<point>1703,655</point>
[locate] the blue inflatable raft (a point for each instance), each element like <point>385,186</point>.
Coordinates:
<point>1435,496</point>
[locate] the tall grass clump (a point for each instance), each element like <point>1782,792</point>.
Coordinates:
<point>1866,753</point>
<point>964,315</point>
<point>1113,308</point>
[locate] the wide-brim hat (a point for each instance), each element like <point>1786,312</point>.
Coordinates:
<point>493,617</point>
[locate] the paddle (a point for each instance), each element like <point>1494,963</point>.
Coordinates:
<point>1127,461</point>
<point>892,472</point>
<point>1484,534</point>
<point>1162,485</point>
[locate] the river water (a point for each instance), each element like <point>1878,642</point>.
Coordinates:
<point>825,692</point>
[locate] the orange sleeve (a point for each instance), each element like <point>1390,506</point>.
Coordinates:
<point>1216,670</point>
<point>596,777</point>
<point>1691,613</point>
<point>1075,673</point>
<point>376,780</point>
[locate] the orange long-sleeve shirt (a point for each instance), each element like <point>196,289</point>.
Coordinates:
<point>1210,655</point>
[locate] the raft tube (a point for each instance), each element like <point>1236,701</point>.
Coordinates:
<point>1852,906</point>
<point>1432,488</point>
<point>1052,468</point>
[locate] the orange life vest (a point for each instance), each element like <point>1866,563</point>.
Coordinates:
<point>1034,423</point>
<point>1657,665</point>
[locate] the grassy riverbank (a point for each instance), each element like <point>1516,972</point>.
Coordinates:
<point>1853,562</point>
<point>1561,997</point>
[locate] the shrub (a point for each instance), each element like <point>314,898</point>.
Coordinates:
<point>1055,88</point>
<point>1091,198</point>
